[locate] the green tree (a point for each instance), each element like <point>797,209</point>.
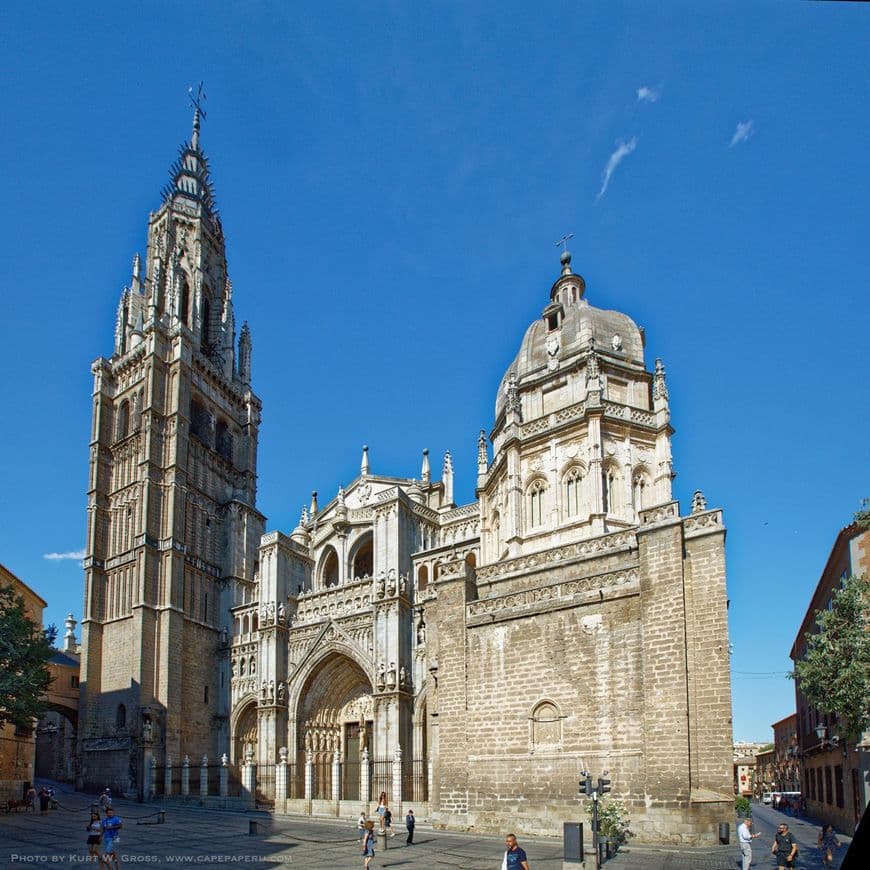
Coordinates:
<point>25,649</point>
<point>834,672</point>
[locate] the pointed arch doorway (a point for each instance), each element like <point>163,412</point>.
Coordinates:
<point>335,714</point>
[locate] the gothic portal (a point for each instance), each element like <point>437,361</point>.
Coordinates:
<point>469,660</point>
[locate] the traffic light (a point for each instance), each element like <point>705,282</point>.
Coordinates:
<point>588,786</point>
<point>603,785</point>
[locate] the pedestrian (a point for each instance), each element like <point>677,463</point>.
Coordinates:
<point>745,838</point>
<point>784,847</point>
<point>43,801</point>
<point>382,807</point>
<point>95,835</point>
<point>515,857</point>
<point>105,798</point>
<point>828,842</point>
<point>368,847</point>
<point>388,822</point>
<point>30,799</point>
<point>361,826</point>
<point>410,821</point>
<point>112,825</point>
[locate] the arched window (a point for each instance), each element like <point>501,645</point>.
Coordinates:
<point>546,725</point>
<point>641,491</point>
<point>495,526</point>
<point>422,578</point>
<point>571,485</point>
<point>535,496</point>
<point>121,717</point>
<point>610,489</point>
<point>205,339</point>
<point>363,559</point>
<point>329,569</point>
<point>185,303</point>
<point>224,440</point>
<point>123,425</point>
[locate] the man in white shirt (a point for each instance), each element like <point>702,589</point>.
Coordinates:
<point>745,838</point>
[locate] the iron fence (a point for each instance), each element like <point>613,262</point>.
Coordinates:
<point>265,787</point>
<point>415,780</point>
<point>322,790</point>
<point>381,778</point>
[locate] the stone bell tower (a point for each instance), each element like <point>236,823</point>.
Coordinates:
<point>172,523</point>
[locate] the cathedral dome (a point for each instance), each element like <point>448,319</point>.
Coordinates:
<point>565,331</point>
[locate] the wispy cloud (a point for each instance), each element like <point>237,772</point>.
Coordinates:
<point>75,554</point>
<point>744,131</point>
<point>623,149</point>
<point>648,95</point>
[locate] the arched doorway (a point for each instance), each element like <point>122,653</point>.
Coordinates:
<point>56,744</point>
<point>245,734</point>
<point>334,713</point>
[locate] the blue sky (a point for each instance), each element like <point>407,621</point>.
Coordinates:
<point>391,178</point>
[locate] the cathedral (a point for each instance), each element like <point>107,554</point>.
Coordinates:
<point>468,660</point>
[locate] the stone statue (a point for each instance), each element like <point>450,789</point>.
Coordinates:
<point>282,613</point>
<point>381,680</point>
<point>146,729</point>
<point>391,676</point>
<point>282,689</point>
<point>403,676</point>
<point>271,690</point>
<point>263,690</point>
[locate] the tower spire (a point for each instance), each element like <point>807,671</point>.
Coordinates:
<point>196,100</point>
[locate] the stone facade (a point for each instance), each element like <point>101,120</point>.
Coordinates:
<point>172,525</point>
<point>468,660</point>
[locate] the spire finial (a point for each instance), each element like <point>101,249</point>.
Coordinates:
<point>364,464</point>
<point>196,101</point>
<point>565,258</point>
<point>425,471</point>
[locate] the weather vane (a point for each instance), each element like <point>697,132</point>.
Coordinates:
<point>564,241</point>
<point>197,99</point>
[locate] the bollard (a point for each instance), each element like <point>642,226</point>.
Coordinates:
<point>385,838</point>
<point>161,817</point>
<point>724,833</point>
<point>252,827</point>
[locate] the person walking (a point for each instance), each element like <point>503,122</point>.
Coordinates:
<point>784,847</point>
<point>361,826</point>
<point>745,838</point>
<point>30,799</point>
<point>368,848</point>
<point>43,801</point>
<point>95,836</point>
<point>388,822</point>
<point>515,857</point>
<point>410,821</point>
<point>112,825</point>
<point>828,842</point>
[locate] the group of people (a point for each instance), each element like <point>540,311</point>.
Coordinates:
<point>366,828</point>
<point>785,847</point>
<point>45,796</point>
<point>104,832</point>
<point>515,857</point>
<point>795,805</point>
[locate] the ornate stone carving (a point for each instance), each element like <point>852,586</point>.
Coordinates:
<point>699,503</point>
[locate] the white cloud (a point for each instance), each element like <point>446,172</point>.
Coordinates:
<point>648,95</point>
<point>623,149</point>
<point>744,131</point>
<point>75,554</point>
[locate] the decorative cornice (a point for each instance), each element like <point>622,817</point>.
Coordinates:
<point>589,549</point>
<point>697,525</point>
<point>565,594</point>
